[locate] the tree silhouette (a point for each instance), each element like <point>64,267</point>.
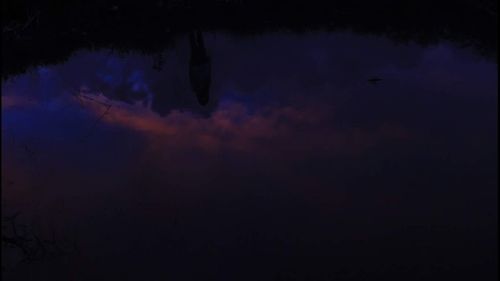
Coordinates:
<point>26,245</point>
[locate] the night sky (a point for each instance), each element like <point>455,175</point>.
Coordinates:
<point>297,169</point>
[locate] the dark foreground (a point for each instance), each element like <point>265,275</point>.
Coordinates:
<point>48,31</point>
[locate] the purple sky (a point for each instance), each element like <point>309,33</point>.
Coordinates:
<point>296,158</point>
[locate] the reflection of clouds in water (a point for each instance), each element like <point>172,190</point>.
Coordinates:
<point>278,95</point>
<point>272,138</point>
<point>231,126</point>
<point>274,94</point>
<point>295,137</point>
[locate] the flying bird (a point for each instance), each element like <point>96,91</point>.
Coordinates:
<point>374,80</point>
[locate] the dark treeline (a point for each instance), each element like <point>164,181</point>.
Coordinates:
<point>48,31</point>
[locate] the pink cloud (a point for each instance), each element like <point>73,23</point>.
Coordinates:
<point>232,127</point>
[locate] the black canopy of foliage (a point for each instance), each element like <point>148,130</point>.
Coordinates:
<point>48,31</point>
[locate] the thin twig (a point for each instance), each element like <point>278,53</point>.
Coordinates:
<point>108,107</point>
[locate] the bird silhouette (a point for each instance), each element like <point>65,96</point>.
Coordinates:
<point>374,80</point>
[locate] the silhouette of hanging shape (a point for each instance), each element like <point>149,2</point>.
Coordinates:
<point>199,68</point>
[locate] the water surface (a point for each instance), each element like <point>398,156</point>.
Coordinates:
<point>298,167</point>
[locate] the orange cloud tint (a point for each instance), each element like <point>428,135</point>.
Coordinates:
<point>232,127</point>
